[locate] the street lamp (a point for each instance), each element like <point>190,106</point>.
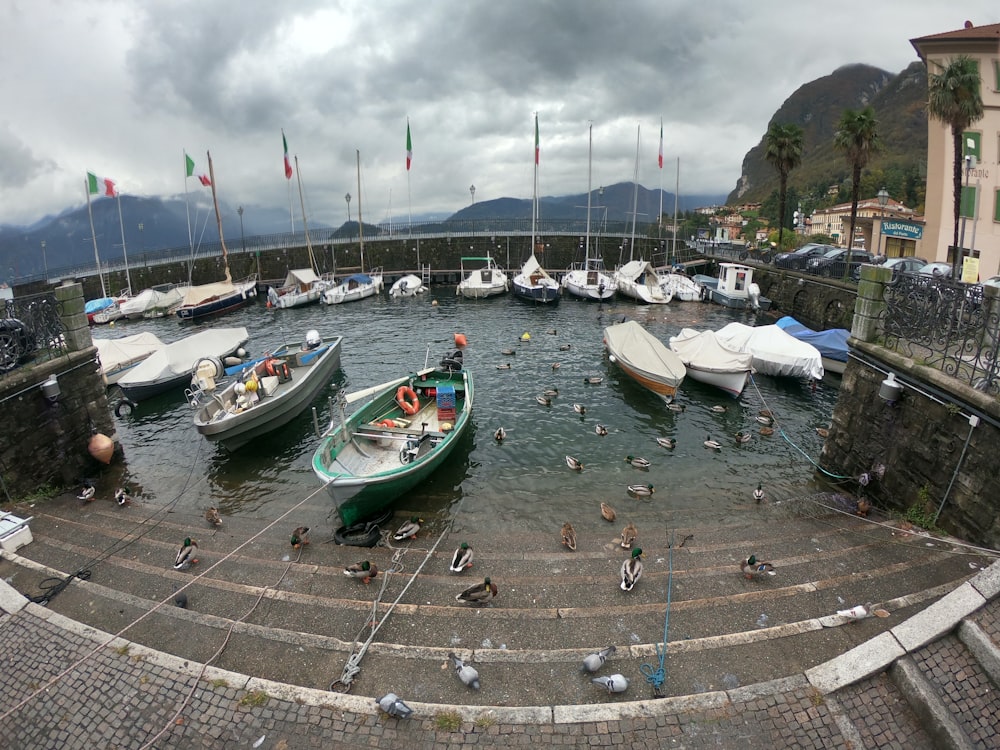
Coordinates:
<point>883,199</point>
<point>45,263</point>
<point>348,199</point>
<point>243,241</point>
<point>472,191</point>
<point>142,237</point>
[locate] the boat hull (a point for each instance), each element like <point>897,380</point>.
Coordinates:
<point>223,418</point>
<point>361,462</point>
<point>589,285</point>
<point>353,290</point>
<point>540,293</point>
<point>644,358</point>
<point>242,294</point>
<point>408,286</point>
<point>732,383</point>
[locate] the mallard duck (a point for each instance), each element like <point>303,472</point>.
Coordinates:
<point>632,570</point>
<point>551,392</point>
<point>719,409</point>
<point>568,535</point>
<point>508,352</point>
<point>552,332</point>
<point>629,535</point>
<point>765,431</point>
<point>544,400</point>
<point>408,529</point>
<point>593,380</point>
<point>601,430</point>
<point>500,435</point>
<point>504,366</point>
<point>580,409</point>
<point>714,445</point>
<point>640,490</point>
<point>565,347</point>
<point>364,570</point>
<point>864,506</point>
<point>462,558</point>
<point>758,494</point>
<point>823,432</point>
<point>765,419</point>
<point>555,365</point>
<point>667,442</point>
<point>185,556</point>
<point>123,496</point>
<point>674,406</point>
<point>743,436</point>
<point>766,413</point>
<point>607,512</point>
<point>300,537</point>
<point>213,517</point>
<point>753,567</point>
<point>87,492</point>
<point>481,592</point>
<point>574,464</point>
<point>639,463</point>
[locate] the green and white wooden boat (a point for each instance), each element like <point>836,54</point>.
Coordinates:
<point>396,439</point>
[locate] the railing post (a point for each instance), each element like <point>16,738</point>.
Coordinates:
<point>70,302</point>
<point>870,302</point>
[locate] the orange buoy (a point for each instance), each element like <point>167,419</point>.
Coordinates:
<point>101,447</point>
<point>460,339</point>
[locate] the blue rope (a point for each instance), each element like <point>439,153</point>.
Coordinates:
<point>658,676</point>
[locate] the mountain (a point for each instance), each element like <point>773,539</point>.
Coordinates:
<point>899,102</point>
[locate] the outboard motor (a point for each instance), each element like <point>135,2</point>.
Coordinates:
<point>453,362</point>
<point>312,341</point>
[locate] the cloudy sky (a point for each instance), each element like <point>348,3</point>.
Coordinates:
<point>123,88</point>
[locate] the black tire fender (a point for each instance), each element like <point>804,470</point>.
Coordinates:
<point>125,407</point>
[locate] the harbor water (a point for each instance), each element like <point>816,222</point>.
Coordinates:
<point>525,481</point>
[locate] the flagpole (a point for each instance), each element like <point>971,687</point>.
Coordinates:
<point>121,225</point>
<point>291,214</point>
<point>93,235</point>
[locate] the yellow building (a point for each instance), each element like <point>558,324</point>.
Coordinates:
<point>980,222</point>
<point>891,230</point>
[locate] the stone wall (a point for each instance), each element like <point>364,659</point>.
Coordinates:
<point>45,443</point>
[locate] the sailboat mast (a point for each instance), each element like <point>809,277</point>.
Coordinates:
<point>677,190</point>
<point>659,216</point>
<point>305,224</point>
<point>121,226</point>
<point>361,225</point>
<point>635,194</point>
<point>534,191</point>
<point>93,235</point>
<point>218,219</point>
<point>590,161</point>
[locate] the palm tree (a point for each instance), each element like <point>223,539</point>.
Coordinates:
<point>857,137</point>
<point>954,98</point>
<point>783,150</point>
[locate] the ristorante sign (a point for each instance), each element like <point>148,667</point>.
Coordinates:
<point>906,229</point>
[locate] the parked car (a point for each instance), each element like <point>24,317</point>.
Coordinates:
<point>797,259</point>
<point>939,269</point>
<point>907,264</point>
<point>16,343</point>
<point>833,264</point>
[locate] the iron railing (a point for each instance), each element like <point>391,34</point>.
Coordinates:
<point>31,329</point>
<point>947,325</point>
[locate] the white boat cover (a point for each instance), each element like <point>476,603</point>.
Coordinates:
<point>681,287</point>
<point>774,351</point>
<point>301,276</point>
<point>637,348</point>
<point>704,350</point>
<point>152,299</point>
<point>182,356</point>
<point>635,268</point>
<point>531,267</point>
<point>196,294</point>
<point>122,352</point>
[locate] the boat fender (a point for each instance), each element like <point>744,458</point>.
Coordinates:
<point>125,407</point>
<point>358,535</point>
<point>703,293</point>
<point>407,400</point>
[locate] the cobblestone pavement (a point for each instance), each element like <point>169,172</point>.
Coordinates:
<point>69,686</point>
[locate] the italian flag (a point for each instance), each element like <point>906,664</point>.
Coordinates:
<point>100,185</point>
<point>288,164</point>
<point>190,171</point>
<point>409,147</point>
<point>537,150</point>
<point>661,144</point>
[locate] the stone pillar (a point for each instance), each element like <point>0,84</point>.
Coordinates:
<point>870,303</point>
<point>76,329</point>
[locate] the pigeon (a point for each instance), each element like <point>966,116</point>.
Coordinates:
<point>468,675</point>
<point>393,705</point>
<point>616,683</point>
<point>180,598</point>
<point>595,661</point>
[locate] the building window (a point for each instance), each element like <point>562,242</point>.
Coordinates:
<point>972,143</point>
<point>996,205</point>
<point>996,75</point>
<point>967,209</point>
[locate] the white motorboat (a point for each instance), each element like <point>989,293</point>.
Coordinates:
<point>638,279</point>
<point>737,289</point>
<point>174,364</point>
<point>485,281</point>
<point>355,287</point>
<point>774,351</point>
<point>680,287</point>
<point>302,286</point>
<point>711,361</point>
<point>407,286</point>
<point>644,358</point>
<point>155,302</point>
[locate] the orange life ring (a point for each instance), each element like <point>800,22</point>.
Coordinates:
<point>386,423</point>
<point>407,400</point>
<point>277,367</point>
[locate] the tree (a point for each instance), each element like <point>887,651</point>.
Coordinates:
<point>857,137</point>
<point>954,98</point>
<point>783,151</point>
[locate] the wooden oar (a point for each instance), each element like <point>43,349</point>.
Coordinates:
<point>350,398</point>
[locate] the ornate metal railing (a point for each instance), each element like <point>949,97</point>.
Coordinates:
<point>30,328</point>
<point>947,325</point>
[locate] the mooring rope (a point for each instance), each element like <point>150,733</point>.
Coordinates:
<point>657,677</point>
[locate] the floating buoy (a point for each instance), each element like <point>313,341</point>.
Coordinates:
<point>460,339</point>
<point>434,303</point>
<point>525,336</point>
<point>251,385</point>
<point>101,447</point>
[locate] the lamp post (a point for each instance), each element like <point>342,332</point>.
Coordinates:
<point>142,236</point>
<point>883,199</point>
<point>45,263</point>
<point>472,192</point>
<point>243,241</point>
<point>348,199</point>
<point>970,164</point>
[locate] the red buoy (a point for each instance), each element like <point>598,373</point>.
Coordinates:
<point>460,339</point>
